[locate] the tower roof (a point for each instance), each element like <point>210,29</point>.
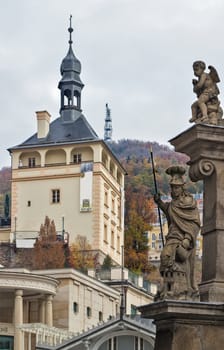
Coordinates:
<point>78,131</point>
<point>70,63</point>
<point>70,84</point>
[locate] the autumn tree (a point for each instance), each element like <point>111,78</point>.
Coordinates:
<point>81,256</point>
<point>48,251</point>
<point>136,243</point>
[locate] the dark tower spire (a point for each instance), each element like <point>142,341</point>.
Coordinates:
<point>70,29</point>
<point>70,83</point>
<point>108,125</point>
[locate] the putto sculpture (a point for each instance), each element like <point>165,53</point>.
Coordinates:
<point>178,255</point>
<point>206,109</point>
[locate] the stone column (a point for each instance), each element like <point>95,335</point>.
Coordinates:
<point>18,320</point>
<point>49,311</point>
<point>42,310</point>
<point>204,144</point>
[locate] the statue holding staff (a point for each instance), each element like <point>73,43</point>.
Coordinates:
<point>183,219</point>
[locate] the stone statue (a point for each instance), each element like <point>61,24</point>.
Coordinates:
<point>178,254</point>
<point>207,107</point>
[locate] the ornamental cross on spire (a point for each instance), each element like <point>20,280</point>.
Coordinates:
<point>70,29</point>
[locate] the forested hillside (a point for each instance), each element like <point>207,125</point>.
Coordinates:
<point>135,157</point>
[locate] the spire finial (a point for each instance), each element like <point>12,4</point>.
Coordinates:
<point>70,29</point>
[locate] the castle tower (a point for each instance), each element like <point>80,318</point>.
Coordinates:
<point>66,172</point>
<point>108,125</point>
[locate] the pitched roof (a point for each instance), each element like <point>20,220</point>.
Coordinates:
<point>113,326</point>
<point>63,132</point>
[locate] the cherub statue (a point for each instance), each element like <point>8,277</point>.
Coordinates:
<point>207,107</point>
<point>183,226</point>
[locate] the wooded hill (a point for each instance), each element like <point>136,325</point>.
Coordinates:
<point>135,158</point>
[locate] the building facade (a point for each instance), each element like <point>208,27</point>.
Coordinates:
<point>67,173</point>
<point>24,298</point>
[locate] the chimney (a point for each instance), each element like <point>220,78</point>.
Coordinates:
<point>43,122</point>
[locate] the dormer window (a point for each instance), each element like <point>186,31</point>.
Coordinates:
<point>77,158</point>
<point>31,162</point>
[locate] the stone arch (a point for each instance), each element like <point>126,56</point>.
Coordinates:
<point>86,153</point>
<point>122,333</point>
<point>29,159</point>
<point>55,157</point>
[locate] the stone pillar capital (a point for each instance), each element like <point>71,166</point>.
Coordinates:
<point>203,168</point>
<point>19,292</point>
<point>49,297</point>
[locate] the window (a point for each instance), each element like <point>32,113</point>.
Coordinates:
<point>133,310</point>
<point>88,311</point>
<point>119,214</point>
<point>118,244</point>
<point>31,162</point>
<point>106,198</point>
<point>77,158</point>
<point>100,316</point>
<point>55,196</point>
<point>112,239</point>
<point>153,236</point>
<point>75,307</point>
<point>113,205</point>
<point>29,203</point>
<point>139,343</point>
<point>6,342</point>
<point>105,233</point>
<point>153,245</point>
<point>112,344</point>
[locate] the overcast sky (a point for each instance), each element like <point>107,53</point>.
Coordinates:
<point>136,55</point>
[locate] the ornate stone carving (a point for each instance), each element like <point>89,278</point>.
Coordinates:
<point>206,109</point>
<point>177,257</point>
<point>201,169</point>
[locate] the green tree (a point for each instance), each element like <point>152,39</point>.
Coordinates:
<point>107,263</point>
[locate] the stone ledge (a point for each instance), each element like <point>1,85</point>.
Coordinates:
<point>170,309</point>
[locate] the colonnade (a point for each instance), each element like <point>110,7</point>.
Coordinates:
<point>45,316</point>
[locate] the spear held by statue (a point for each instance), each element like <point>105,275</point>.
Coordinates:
<point>156,192</point>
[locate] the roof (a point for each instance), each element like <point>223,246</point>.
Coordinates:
<point>60,132</point>
<point>142,326</point>
<point>63,132</point>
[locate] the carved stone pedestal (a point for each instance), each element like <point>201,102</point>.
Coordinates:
<point>174,286</point>
<point>204,144</point>
<point>183,325</point>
